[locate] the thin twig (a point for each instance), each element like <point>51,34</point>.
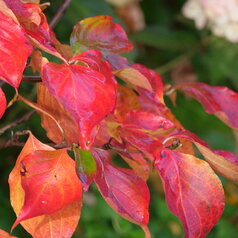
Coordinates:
<point>9,143</point>
<point>16,122</point>
<point>39,109</point>
<point>108,146</point>
<point>59,13</point>
<point>31,77</point>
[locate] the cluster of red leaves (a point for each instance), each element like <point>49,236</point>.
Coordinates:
<point>84,108</point>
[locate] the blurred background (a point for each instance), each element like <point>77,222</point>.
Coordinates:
<point>183,41</point>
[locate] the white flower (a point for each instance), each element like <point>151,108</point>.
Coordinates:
<point>221,16</point>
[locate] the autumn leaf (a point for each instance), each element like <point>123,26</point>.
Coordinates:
<point>122,189</point>
<point>142,141</point>
<point>4,234</point>
<point>3,103</point>
<point>193,192</point>
<point>127,100</point>
<point>87,94</point>
<point>57,225</point>
<point>155,81</point>
<point>85,166</point>
<point>135,160</point>
<point>14,51</point>
<point>99,33</point>
<point>223,162</point>
<point>49,176</point>
<point>146,121</point>
<point>50,104</point>
<point>134,78</point>
<point>35,25</point>
<point>217,100</point>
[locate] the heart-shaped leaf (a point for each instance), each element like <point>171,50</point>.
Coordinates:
<point>87,94</point>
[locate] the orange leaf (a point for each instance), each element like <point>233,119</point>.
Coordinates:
<point>4,234</point>
<point>127,100</point>
<point>134,78</point>
<point>50,183</point>
<point>57,225</point>
<point>50,104</point>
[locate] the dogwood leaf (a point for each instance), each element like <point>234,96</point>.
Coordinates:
<point>193,192</point>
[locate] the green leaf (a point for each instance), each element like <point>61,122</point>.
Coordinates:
<point>85,166</point>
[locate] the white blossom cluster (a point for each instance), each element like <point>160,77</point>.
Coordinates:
<point>221,16</point>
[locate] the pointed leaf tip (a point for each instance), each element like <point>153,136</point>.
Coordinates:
<point>220,101</point>
<point>122,189</point>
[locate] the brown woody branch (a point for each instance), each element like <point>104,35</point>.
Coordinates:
<point>16,122</point>
<point>32,78</point>
<point>59,13</point>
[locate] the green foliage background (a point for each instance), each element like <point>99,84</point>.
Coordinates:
<point>167,38</point>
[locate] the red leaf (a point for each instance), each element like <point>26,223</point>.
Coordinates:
<point>99,33</point>
<point>116,61</point>
<point>57,225</point>
<point>87,94</point>
<point>193,192</point>
<point>93,59</point>
<point>146,121</point>
<point>220,101</point>
<point>14,51</point>
<point>142,141</point>
<point>223,162</point>
<point>155,82</point>
<point>50,183</point>
<point>35,25</point>
<point>123,189</point>
<point>3,103</point>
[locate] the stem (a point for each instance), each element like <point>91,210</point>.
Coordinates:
<point>14,99</point>
<point>171,64</point>
<point>59,13</point>
<point>32,78</point>
<point>37,108</point>
<point>16,122</point>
